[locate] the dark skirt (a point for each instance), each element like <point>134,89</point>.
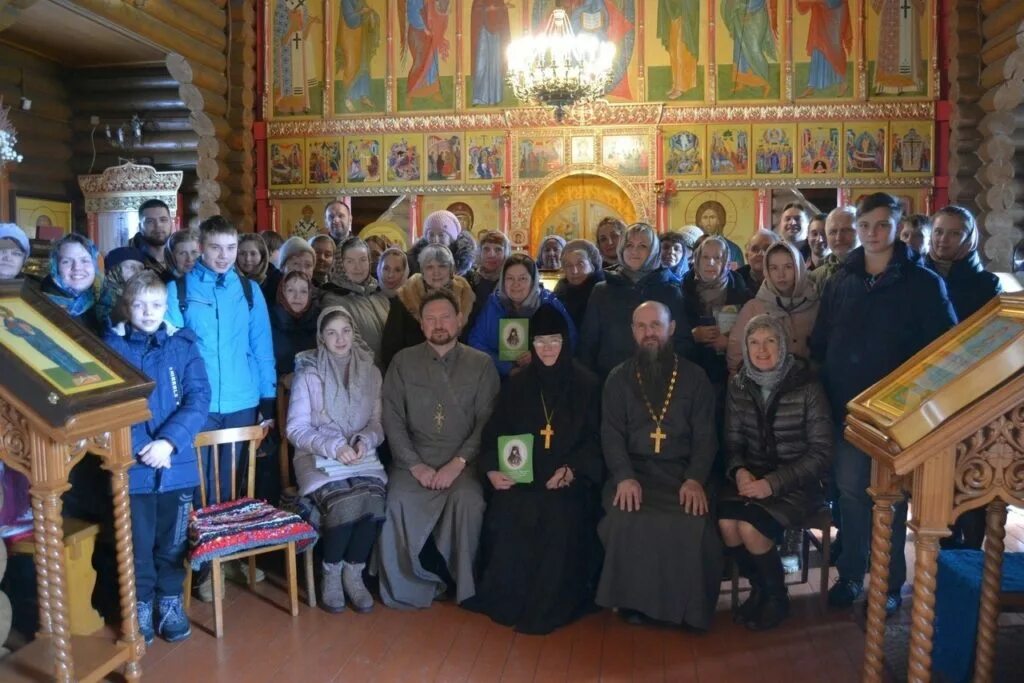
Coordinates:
<point>539,558</point>
<point>349,501</point>
<point>754,515</point>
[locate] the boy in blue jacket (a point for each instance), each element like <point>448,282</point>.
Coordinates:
<point>229,315</point>
<point>162,481</point>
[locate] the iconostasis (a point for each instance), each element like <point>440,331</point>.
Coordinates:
<point>716,101</point>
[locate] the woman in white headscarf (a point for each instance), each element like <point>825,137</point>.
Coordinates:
<point>607,337</point>
<point>334,424</point>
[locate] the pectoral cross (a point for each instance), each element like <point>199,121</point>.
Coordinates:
<point>657,435</point>
<point>297,40</point>
<point>906,8</point>
<point>547,433</point>
<point>439,417</point>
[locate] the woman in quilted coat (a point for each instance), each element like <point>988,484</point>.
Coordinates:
<point>778,446</point>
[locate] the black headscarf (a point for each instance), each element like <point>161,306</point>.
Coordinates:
<point>557,379</point>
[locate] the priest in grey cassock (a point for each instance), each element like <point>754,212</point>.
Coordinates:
<point>437,396</point>
<point>663,557</point>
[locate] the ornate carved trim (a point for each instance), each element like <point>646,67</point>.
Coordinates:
<point>602,113</point>
<point>131,179</point>
<point>15,444</point>
<point>990,463</point>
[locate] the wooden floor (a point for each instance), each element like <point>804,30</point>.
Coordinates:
<point>445,643</point>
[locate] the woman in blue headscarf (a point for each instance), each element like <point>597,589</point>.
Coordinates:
<point>72,279</point>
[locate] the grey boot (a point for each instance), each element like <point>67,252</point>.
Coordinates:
<point>332,597</point>
<point>355,589</point>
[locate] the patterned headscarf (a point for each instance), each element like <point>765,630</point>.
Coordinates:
<point>75,303</point>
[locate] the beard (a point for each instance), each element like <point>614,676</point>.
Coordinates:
<point>441,337</point>
<point>154,240</point>
<point>654,363</point>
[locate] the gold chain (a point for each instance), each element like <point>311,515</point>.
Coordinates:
<point>547,416</point>
<point>668,395</point>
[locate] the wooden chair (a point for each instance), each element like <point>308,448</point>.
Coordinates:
<point>820,521</point>
<point>211,441</point>
<point>284,385</point>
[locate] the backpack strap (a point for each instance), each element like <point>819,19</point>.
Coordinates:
<point>179,283</point>
<point>246,287</point>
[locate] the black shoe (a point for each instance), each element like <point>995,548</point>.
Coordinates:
<point>774,610</point>
<point>845,592</point>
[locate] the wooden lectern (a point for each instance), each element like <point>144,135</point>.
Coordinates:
<point>63,394</point>
<point>947,426</point>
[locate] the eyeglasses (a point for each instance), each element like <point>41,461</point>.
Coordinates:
<point>555,340</point>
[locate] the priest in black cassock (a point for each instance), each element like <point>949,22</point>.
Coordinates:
<point>663,557</point>
<point>539,549</point>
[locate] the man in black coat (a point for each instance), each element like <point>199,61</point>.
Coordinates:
<point>880,309</point>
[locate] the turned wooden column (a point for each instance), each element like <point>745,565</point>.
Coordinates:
<point>42,570</point>
<point>885,493</point>
<point>926,560</point>
<point>991,583</point>
<point>51,546</point>
<point>118,463</point>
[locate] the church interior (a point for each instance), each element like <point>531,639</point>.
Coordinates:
<point>714,113</point>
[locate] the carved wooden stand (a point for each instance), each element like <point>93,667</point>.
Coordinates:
<point>968,462</point>
<point>46,455</point>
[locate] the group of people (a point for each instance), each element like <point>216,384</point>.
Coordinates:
<point>671,407</point>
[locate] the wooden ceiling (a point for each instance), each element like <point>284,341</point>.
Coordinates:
<point>58,30</point>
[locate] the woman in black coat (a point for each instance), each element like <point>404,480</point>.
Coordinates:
<point>607,336</point>
<point>778,448</point>
<point>292,320</point>
<point>953,254</point>
<point>581,264</point>
<point>539,548</point>
<point>714,296</point>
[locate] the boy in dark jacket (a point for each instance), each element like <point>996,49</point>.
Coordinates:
<point>162,480</point>
<point>879,309</point>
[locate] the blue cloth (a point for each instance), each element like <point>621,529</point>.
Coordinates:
<point>484,335</point>
<point>863,331</point>
<point>236,342</point>
<point>179,403</point>
<point>957,603</point>
<point>160,541</point>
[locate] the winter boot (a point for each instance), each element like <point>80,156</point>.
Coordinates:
<point>355,589</point>
<point>174,625</point>
<point>332,596</point>
<point>774,606</point>
<point>750,606</point>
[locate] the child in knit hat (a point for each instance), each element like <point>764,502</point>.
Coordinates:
<point>14,249</point>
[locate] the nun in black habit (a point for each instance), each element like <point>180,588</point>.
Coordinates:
<point>539,549</point>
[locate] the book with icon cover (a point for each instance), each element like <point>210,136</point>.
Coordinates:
<point>513,338</point>
<point>515,457</point>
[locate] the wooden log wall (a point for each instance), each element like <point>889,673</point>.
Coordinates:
<point>241,157</point>
<point>1000,174</point>
<point>44,132</point>
<point>194,33</point>
<point>963,36</point>
<point>115,94</point>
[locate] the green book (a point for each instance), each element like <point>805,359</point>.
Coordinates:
<point>515,457</point>
<point>513,338</point>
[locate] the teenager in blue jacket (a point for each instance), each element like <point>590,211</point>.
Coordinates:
<point>229,316</point>
<point>164,476</point>
<point>880,308</point>
<point>518,295</point>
